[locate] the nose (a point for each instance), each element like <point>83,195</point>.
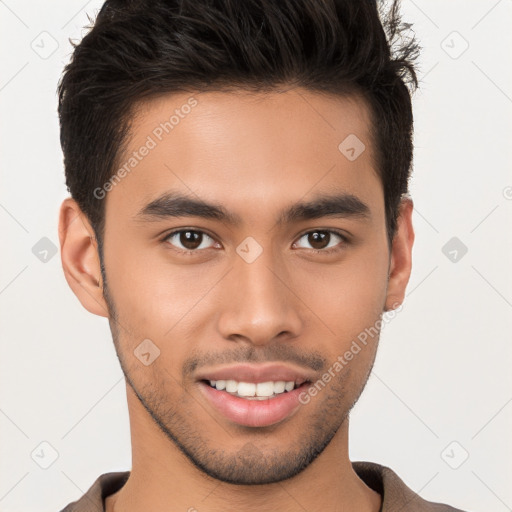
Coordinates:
<point>260,303</point>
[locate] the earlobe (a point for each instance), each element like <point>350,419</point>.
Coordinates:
<point>80,259</point>
<point>401,256</point>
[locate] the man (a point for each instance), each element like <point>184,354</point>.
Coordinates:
<point>240,213</point>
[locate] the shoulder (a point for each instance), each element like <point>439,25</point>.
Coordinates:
<point>94,499</point>
<point>395,493</point>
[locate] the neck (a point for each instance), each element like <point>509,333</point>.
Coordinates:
<point>161,475</point>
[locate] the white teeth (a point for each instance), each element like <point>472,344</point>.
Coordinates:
<point>246,389</point>
<point>231,386</point>
<point>260,390</point>
<point>279,386</point>
<point>265,389</point>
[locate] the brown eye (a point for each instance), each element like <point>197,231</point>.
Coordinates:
<point>323,240</point>
<point>319,239</point>
<point>188,239</point>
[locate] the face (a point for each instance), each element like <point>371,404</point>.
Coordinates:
<point>243,245</point>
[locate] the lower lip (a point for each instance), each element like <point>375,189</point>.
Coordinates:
<point>253,413</point>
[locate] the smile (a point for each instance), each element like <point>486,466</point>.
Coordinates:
<point>254,391</point>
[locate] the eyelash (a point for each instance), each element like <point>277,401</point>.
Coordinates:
<point>331,250</point>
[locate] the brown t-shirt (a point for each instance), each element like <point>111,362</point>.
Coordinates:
<point>396,496</point>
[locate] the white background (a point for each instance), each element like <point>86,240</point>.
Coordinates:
<point>443,370</point>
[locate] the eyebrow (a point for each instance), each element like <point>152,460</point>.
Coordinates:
<point>174,204</point>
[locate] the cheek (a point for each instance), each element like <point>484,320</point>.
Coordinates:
<point>350,296</point>
<point>152,295</point>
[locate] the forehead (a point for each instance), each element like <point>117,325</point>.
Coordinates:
<point>247,149</point>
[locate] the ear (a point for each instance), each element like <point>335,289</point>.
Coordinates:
<point>401,256</point>
<point>80,258</point>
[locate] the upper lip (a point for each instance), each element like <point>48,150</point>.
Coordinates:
<point>257,373</point>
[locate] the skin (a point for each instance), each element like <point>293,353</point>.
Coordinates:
<point>255,155</point>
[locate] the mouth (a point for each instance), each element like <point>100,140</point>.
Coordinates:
<point>254,395</point>
<point>251,404</point>
<point>255,390</point>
